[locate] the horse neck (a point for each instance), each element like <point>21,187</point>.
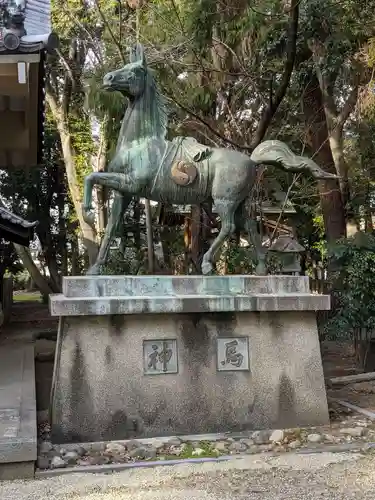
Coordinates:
<point>142,120</point>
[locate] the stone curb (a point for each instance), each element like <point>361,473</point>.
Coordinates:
<point>108,468</point>
<point>190,438</point>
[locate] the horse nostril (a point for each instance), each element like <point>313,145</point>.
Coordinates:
<point>108,78</point>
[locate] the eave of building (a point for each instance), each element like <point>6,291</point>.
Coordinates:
<point>14,228</point>
<point>9,216</point>
<point>24,48</point>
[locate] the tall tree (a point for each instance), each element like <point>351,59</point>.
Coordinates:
<point>65,98</point>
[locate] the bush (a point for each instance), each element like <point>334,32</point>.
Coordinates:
<point>353,290</point>
<point>21,280</point>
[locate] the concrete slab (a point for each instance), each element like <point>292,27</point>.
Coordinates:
<point>151,356</point>
<point>66,306</point>
<point>110,295</point>
<point>18,430</point>
<point>172,286</point>
<point>101,391</point>
<point>17,470</point>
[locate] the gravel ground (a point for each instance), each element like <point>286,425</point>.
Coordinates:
<point>285,477</point>
<point>354,431</point>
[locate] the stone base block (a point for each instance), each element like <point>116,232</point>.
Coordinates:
<point>17,470</point>
<point>157,374</point>
<point>18,425</point>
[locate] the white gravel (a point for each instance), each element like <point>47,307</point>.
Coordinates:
<point>290,476</point>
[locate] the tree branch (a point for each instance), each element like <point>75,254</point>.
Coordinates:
<point>206,124</point>
<point>114,40</point>
<point>318,52</point>
<point>66,65</point>
<point>348,106</point>
<point>362,76</point>
<point>273,105</point>
<point>52,102</point>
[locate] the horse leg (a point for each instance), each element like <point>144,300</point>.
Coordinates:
<point>117,182</point>
<point>251,228</point>
<point>226,210</point>
<point>255,240</point>
<point>119,205</point>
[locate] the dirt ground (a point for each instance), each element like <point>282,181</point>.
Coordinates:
<point>321,476</point>
<point>339,360</point>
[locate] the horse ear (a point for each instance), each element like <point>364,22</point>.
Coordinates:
<point>132,54</point>
<point>140,54</point>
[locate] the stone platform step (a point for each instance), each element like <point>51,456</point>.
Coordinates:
<point>18,424</point>
<point>115,295</point>
<point>175,286</point>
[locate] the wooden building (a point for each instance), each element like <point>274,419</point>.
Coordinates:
<point>25,36</point>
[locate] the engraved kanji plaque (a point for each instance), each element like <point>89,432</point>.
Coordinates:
<point>160,357</point>
<point>233,354</point>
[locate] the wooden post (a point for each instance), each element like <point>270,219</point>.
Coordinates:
<point>196,235</point>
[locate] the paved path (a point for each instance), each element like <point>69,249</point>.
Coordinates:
<point>322,476</point>
<point>18,437</point>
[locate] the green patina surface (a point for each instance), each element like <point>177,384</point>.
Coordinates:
<point>144,158</point>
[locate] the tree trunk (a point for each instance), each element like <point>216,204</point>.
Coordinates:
<point>53,269</point>
<point>75,268</point>
<point>337,149</point>
<point>89,237</point>
<point>88,233</point>
<point>196,235</point>
<point>101,167</point>
<point>318,138</point>
<point>150,240</point>
<point>137,222</point>
<point>40,282</point>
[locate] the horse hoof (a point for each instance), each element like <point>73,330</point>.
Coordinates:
<point>89,217</point>
<point>92,271</point>
<point>206,267</point>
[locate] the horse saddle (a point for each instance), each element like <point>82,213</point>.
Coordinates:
<point>185,171</point>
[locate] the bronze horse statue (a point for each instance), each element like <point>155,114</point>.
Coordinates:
<point>181,171</point>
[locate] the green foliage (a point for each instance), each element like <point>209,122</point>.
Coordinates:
<point>21,280</point>
<point>207,450</point>
<point>9,262</point>
<point>238,259</point>
<point>353,285</point>
<point>201,20</point>
<point>224,81</point>
<point>120,263</point>
<point>40,194</point>
<point>83,145</point>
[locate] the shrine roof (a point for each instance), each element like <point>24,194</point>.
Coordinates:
<point>9,216</point>
<point>38,17</point>
<point>25,26</point>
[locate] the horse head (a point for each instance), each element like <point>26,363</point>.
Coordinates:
<point>131,79</point>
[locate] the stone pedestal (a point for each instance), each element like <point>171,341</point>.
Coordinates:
<point>145,356</point>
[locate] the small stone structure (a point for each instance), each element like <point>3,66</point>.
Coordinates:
<point>288,250</point>
<point>145,356</point>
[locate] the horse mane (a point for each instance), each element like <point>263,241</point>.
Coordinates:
<point>160,111</point>
<point>146,116</point>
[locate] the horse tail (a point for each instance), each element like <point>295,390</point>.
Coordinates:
<point>278,154</point>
